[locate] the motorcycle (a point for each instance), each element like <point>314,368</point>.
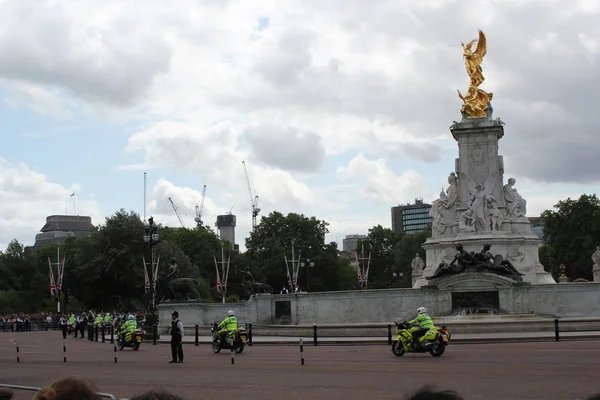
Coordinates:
<point>239,338</point>
<point>438,339</point>
<point>131,339</point>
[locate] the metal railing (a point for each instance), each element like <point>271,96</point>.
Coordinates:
<point>37,389</point>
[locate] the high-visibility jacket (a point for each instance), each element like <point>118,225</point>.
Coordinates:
<point>229,323</point>
<point>423,320</point>
<point>108,319</point>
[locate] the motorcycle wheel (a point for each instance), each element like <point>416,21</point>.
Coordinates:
<point>121,346</point>
<point>216,348</point>
<point>239,347</point>
<point>398,349</point>
<point>438,350</point>
<point>136,346</point>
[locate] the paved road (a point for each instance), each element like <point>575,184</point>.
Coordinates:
<point>564,370</point>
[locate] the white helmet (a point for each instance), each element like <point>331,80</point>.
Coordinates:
<point>230,313</point>
<point>421,310</point>
<point>130,317</point>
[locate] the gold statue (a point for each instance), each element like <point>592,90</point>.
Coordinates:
<point>476,100</point>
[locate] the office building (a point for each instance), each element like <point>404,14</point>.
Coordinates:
<point>537,226</point>
<point>351,241</point>
<point>226,227</point>
<point>60,227</point>
<point>411,218</point>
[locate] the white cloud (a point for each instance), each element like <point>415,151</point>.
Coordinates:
<point>379,183</point>
<point>28,197</point>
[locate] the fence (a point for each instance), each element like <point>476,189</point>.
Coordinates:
<point>37,389</point>
<point>536,329</point>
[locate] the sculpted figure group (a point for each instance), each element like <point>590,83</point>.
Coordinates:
<point>482,213</point>
<point>482,261</point>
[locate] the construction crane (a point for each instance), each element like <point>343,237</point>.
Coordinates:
<point>176,212</point>
<point>200,208</point>
<point>253,199</point>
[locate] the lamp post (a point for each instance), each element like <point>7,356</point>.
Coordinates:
<point>151,239</point>
<point>309,264</point>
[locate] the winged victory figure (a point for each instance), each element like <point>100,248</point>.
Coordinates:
<point>476,101</point>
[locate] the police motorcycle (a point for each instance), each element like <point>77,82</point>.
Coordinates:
<point>434,341</point>
<point>236,339</point>
<point>131,339</point>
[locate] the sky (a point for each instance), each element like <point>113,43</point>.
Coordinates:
<point>341,109</point>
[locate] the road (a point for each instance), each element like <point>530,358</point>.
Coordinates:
<point>564,370</point>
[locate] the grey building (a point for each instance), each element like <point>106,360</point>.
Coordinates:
<point>351,241</point>
<point>411,218</point>
<point>226,226</point>
<point>60,227</point>
<point>537,226</point>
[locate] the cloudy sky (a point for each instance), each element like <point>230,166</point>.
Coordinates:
<point>340,108</point>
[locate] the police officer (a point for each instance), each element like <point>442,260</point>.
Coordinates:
<point>176,339</point>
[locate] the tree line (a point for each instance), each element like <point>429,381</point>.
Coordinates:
<point>105,270</point>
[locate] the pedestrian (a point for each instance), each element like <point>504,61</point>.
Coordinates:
<point>176,338</point>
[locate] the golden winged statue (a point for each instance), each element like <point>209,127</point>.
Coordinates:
<point>476,101</point>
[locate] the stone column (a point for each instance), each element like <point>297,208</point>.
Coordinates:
<point>478,157</point>
<point>596,271</point>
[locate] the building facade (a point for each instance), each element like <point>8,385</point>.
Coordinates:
<point>537,226</point>
<point>351,241</point>
<point>411,218</point>
<point>60,227</point>
<point>226,226</point>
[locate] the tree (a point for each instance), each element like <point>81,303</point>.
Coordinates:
<point>405,252</point>
<point>571,232</point>
<point>380,242</point>
<point>272,240</point>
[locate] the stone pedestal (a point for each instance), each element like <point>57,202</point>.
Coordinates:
<point>416,275</point>
<point>596,272</point>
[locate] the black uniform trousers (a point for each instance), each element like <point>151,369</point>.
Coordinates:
<point>177,349</point>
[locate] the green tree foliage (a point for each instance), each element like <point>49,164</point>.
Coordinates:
<point>405,252</point>
<point>272,240</point>
<point>571,233</point>
<point>380,243</point>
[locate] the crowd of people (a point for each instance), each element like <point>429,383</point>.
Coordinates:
<point>23,322</point>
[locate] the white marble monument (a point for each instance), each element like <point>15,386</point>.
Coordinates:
<point>596,267</point>
<point>479,207</point>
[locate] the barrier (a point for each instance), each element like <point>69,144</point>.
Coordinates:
<point>196,340</point>
<point>64,351</point>
<point>232,356</point>
<point>115,351</point>
<point>37,389</point>
<point>16,344</point>
<point>569,325</point>
<point>301,352</point>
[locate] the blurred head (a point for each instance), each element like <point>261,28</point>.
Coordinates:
<point>68,389</point>
<point>156,395</point>
<point>175,314</point>
<point>5,394</point>
<point>429,394</point>
<point>230,313</point>
<point>421,310</point>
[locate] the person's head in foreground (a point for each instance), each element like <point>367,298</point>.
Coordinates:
<point>72,388</point>
<point>430,394</point>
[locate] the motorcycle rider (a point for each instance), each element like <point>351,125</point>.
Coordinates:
<point>229,324</point>
<point>420,325</point>
<point>99,320</point>
<point>128,328</point>
<point>108,319</point>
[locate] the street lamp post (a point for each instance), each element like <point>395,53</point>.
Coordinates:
<point>308,264</point>
<point>151,238</point>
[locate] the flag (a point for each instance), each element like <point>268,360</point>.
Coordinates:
<point>60,273</point>
<point>219,285</point>
<point>155,275</point>
<point>146,277</point>
<point>72,194</point>
<point>53,291</point>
